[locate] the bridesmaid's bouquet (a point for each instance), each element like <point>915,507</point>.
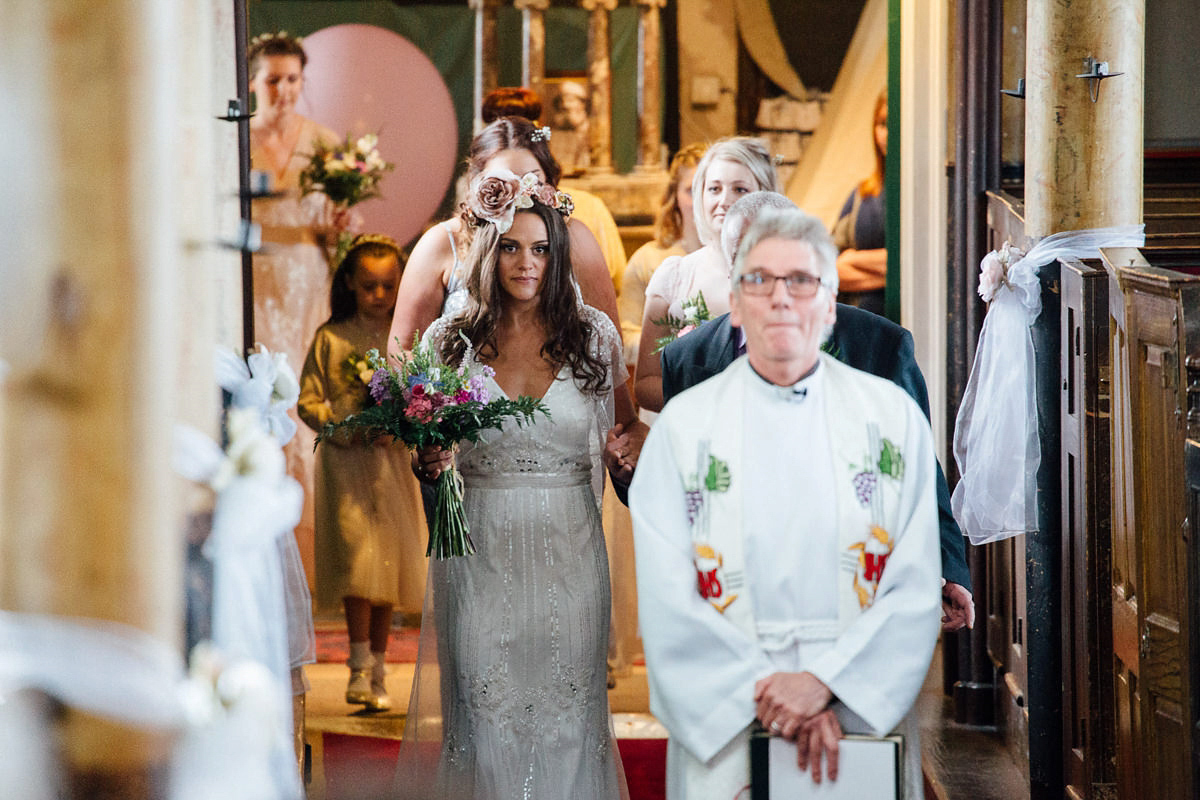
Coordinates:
<point>422,402</point>
<point>346,172</point>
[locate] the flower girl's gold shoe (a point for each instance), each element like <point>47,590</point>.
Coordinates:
<point>359,689</point>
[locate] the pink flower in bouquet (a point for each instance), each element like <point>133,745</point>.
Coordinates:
<point>420,405</point>
<point>461,396</point>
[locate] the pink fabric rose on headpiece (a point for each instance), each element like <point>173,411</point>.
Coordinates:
<point>493,195</point>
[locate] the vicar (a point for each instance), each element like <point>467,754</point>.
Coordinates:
<point>861,339</point>
<point>786,531</point>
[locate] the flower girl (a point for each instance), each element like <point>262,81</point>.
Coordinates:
<point>370,527</point>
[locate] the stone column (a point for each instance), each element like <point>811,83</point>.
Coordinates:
<point>92,518</point>
<point>649,157</point>
<point>1083,159</point>
<point>533,44</point>
<point>486,69</point>
<point>600,84</point>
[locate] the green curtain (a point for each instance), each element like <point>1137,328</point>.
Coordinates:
<point>445,33</point>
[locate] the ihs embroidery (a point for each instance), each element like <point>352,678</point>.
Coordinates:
<point>884,461</point>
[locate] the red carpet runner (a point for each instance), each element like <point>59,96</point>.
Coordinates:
<point>360,767</point>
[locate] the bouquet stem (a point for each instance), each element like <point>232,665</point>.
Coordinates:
<point>449,534</point>
<point>344,240</point>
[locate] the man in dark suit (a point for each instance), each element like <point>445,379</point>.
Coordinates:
<point>861,339</point>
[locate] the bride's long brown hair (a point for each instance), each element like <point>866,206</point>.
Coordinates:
<point>568,333</point>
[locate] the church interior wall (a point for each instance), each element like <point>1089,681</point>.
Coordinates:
<point>707,70</point>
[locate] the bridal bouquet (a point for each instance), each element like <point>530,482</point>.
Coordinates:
<point>695,312</point>
<point>346,172</point>
<point>422,402</point>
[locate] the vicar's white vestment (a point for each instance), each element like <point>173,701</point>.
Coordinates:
<point>784,529</point>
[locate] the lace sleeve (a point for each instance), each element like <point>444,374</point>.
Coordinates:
<point>435,333</point>
<point>606,345</point>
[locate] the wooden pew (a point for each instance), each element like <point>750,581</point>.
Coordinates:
<point>1154,308</point>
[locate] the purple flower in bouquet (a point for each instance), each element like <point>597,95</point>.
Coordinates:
<point>477,388</point>
<point>424,403</point>
<point>378,387</point>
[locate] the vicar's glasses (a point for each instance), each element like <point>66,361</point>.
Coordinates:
<point>800,285</point>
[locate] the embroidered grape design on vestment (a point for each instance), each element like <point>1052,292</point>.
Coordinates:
<point>864,486</point>
<point>694,500</point>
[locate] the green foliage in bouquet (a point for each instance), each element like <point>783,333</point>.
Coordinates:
<point>425,403</point>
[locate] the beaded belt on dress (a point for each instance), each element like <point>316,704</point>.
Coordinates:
<point>514,480</point>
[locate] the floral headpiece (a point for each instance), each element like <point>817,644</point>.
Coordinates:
<point>263,38</point>
<point>497,194</point>
<point>540,134</point>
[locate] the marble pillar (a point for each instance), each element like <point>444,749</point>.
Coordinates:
<point>1083,139</point>
<point>533,44</point>
<point>486,68</point>
<point>649,154</point>
<point>600,84</point>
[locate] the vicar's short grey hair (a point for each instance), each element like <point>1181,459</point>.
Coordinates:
<point>742,213</point>
<point>794,225</point>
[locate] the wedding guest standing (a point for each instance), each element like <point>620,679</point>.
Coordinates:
<point>730,169</point>
<point>675,234</point>
<point>520,628</point>
<point>370,554</point>
<point>859,233</point>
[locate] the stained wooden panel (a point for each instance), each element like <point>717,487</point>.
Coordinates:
<point>1154,594</point>
<point>1088,702</point>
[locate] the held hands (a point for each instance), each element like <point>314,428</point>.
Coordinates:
<point>430,462</point>
<point>958,607</point>
<point>793,705</point>
<point>622,448</point>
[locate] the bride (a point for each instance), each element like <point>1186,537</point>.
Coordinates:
<point>522,625</point>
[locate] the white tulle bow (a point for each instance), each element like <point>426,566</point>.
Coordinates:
<point>222,716</point>
<point>264,380</point>
<point>257,506</point>
<point>996,442</point>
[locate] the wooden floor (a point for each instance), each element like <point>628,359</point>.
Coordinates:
<point>961,762</point>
